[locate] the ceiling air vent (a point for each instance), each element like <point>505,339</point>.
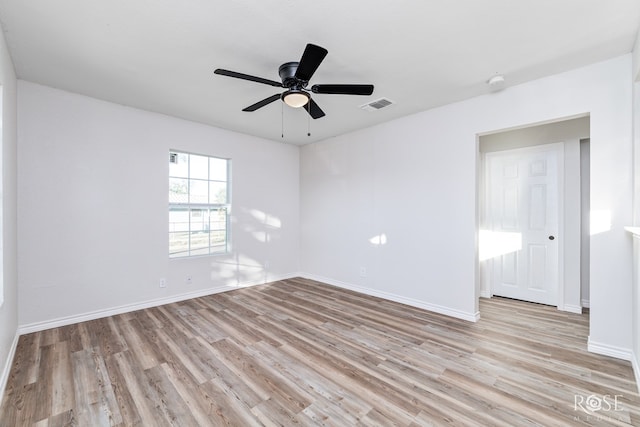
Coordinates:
<point>377,104</point>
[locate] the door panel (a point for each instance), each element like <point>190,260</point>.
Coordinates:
<point>537,267</point>
<point>538,207</point>
<point>509,269</point>
<point>510,214</point>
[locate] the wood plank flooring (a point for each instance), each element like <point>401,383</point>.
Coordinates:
<point>299,352</point>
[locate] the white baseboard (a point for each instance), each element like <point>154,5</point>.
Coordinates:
<point>572,308</point>
<point>471,317</point>
<point>98,314</point>
<point>4,375</point>
<point>636,369</point>
<point>585,303</point>
<point>610,350</point>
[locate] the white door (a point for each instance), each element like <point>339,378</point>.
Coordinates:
<point>523,216</point>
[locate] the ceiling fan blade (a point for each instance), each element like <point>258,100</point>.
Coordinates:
<point>310,61</point>
<point>313,109</point>
<point>343,89</point>
<point>247,77</point>
<point>262,103</point>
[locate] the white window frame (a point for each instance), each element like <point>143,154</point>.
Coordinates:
<point>209,206</point>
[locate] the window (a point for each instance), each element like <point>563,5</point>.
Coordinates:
<point>199,205</point>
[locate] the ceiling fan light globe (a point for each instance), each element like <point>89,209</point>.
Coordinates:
<point>296,99</point>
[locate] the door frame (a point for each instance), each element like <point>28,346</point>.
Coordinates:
<point>572,130</point>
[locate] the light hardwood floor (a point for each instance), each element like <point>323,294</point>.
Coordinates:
<point>298,352</point>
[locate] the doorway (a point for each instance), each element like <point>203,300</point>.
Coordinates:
<point>532,209</point>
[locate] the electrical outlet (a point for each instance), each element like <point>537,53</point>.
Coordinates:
<point>363,271</point>
<point>189,280</point>
<point>163,283</point>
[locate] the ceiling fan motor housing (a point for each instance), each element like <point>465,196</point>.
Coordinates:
<point>287,72</point>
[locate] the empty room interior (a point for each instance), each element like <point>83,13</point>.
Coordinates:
<point>262,213</point>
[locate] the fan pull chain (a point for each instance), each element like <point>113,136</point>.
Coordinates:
<point>282,121</point>
<point>309,118</point>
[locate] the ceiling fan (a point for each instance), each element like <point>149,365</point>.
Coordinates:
<point>295,78</point>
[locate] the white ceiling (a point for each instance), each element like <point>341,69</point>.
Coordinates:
<point>159,55</point>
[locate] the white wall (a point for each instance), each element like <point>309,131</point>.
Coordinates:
<point>93,194</point>
<point>9,307</point>
<point>636,303</point>
<point>636,58</point>
<point>414,179</point>
<point>636,210</point>
<point>389,185</point>
<point>636,131</point>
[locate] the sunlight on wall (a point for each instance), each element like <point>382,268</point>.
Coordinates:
<point>260,236</point>
<point>240,271</point>
<point>496,243</point>
<point>265,218</point>
<point>379,240</point>
<point>260,225</point>
<point>600,221</point>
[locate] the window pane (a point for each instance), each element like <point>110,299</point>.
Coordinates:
<point>178,190</point>
<point>178,220</point>
<point>218,219</point>
<point>218,225</point>
<point>198,191</point>
<point>218,169</point>
<point>199,220</point>
<point>199,241</point>
<point>218,241</point>
<point>199,232</point>
<point>217,192</point>
<point>179,168</point>
<point>178,244</point>
<point>198,167</point>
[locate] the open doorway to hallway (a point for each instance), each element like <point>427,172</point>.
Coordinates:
<point>533,196</point>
